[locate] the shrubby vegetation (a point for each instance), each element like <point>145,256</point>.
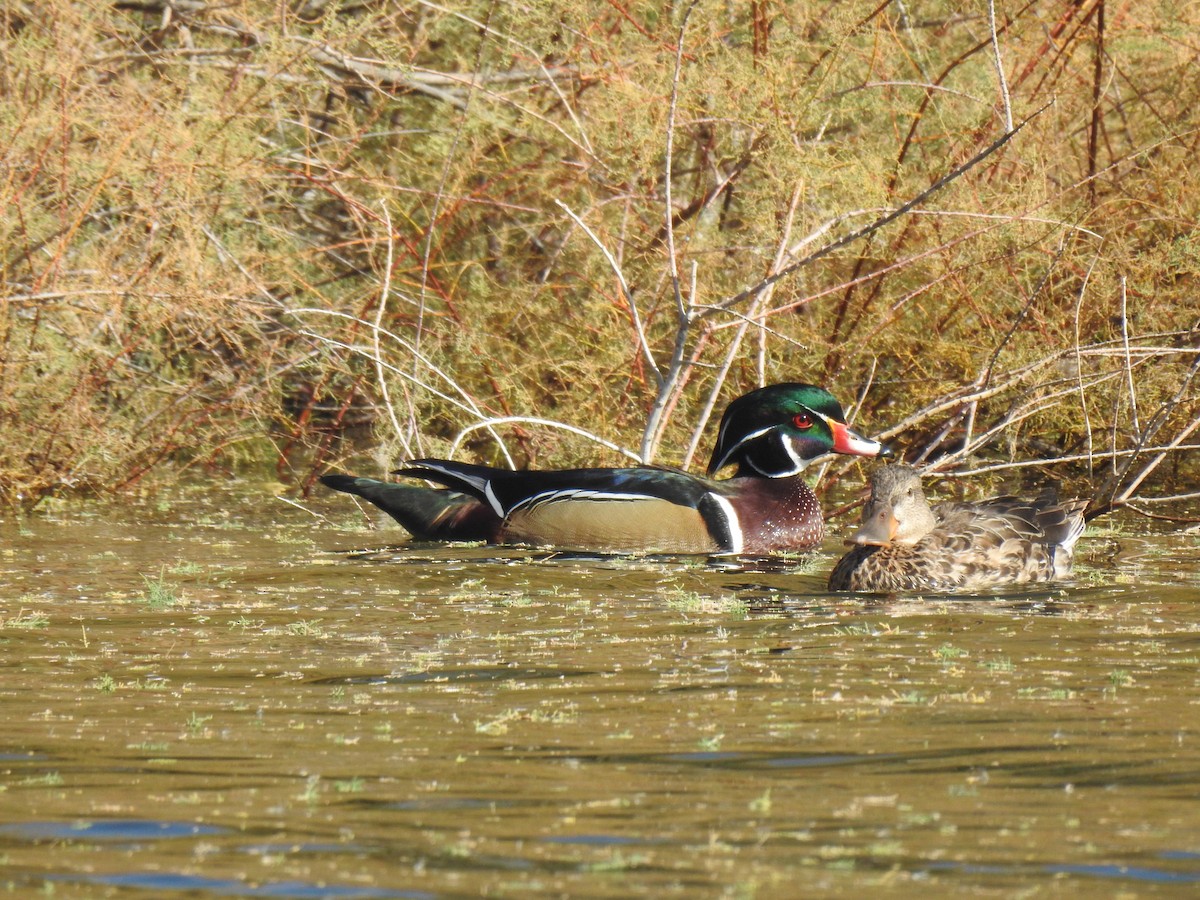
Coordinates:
<point>232,232</point>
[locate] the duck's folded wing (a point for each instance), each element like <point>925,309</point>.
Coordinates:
<point>1043,520</point>
<point>633,509</point>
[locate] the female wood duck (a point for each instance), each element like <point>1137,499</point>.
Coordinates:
<point>903,545</point>
<point>770,434</point>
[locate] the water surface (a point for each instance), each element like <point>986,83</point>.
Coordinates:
<point>222,695</point>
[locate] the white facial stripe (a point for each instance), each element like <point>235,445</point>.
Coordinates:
<point>824,418</point>
<point>789,447</point>
<point>737,538</point>
<point>749,437</point>
<point>751,464</point>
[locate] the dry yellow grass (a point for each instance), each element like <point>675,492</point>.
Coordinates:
<point>232,229</point>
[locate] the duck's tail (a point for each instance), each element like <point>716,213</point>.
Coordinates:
<point>427,513</point>
<point>1062,524</point>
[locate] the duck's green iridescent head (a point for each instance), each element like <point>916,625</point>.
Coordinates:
<point>776,431</point>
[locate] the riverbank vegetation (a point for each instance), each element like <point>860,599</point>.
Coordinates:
<point>256,233</point>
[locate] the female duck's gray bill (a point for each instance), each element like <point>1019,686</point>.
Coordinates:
<point>878,527</point>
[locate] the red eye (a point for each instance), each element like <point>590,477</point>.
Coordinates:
<point>802,421</point>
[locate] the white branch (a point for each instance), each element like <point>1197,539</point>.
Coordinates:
<point>1008,119</point>
<point>548,423</point>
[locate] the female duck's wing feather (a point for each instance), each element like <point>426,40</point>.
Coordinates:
<point>1043,520</point>
<point>1005,540</point>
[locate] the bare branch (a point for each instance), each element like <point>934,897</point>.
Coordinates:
<point>545,423</point>
<point>1128,361</point>
<point>376,326</point>
<point>626,293</point>
<point>1007,102</point>
<point>953,175</point>
<point>666,383</point>
<point>466,403</point>
<point>989,468</point>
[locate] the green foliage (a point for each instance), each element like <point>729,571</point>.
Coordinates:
<point>206,208</point>
<point>158,594</point>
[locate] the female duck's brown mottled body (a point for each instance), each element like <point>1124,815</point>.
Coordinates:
<point>904,545</point>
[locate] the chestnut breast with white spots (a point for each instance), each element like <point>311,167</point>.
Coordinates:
<point>777,514</point>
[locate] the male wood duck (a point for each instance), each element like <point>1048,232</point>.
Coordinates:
<point>904,545</point>
<point>770,435</point>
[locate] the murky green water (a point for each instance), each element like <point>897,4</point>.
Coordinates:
<point>209,698</point>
